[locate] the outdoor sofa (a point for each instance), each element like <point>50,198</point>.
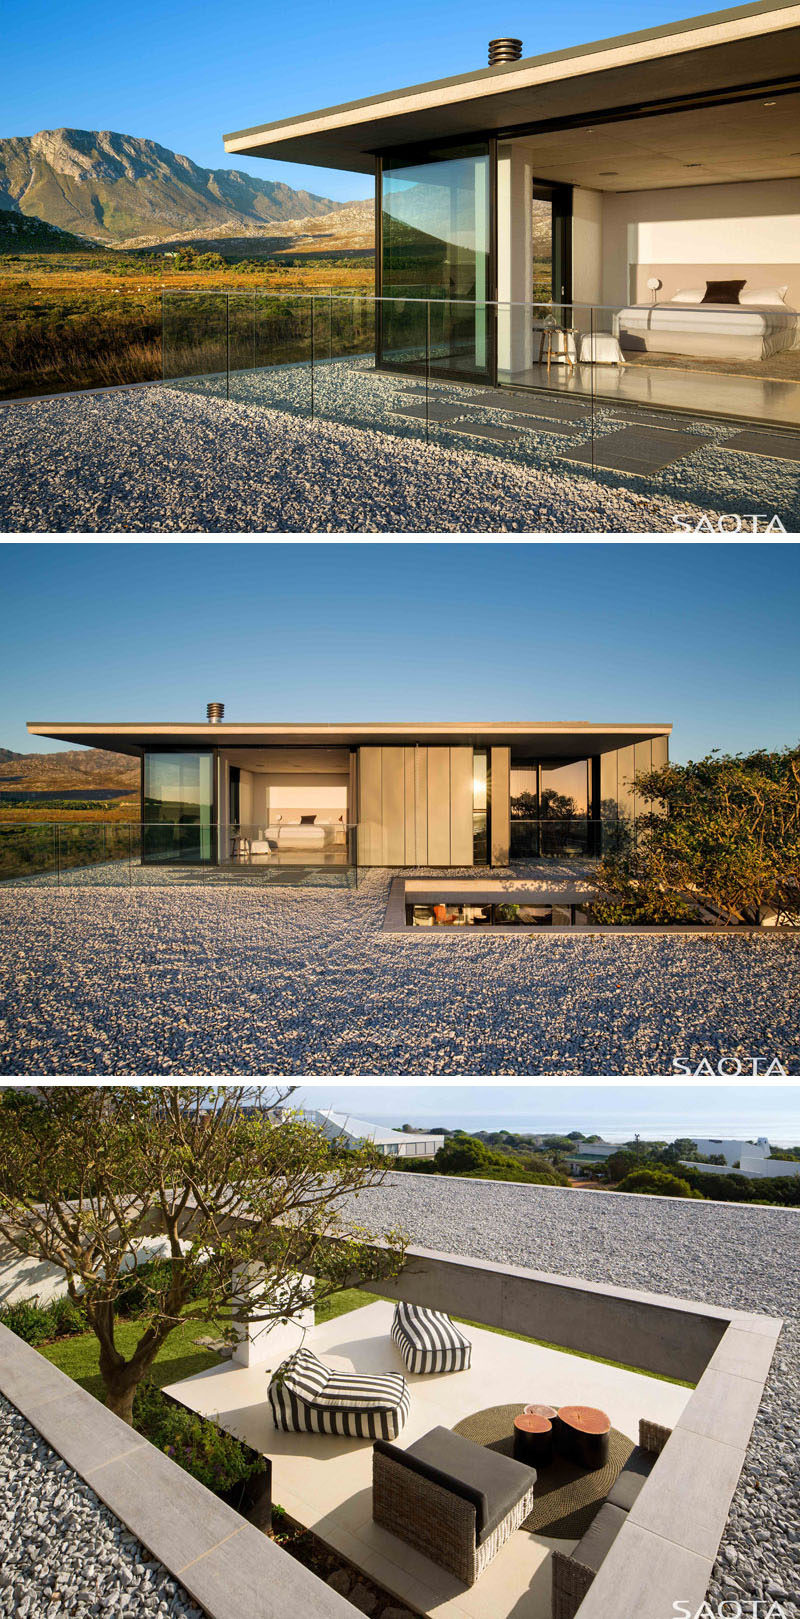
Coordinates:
<point>453,1500</point>
<point>573,1572</point>
<point>429,1341</point>
<point>306,1396</point>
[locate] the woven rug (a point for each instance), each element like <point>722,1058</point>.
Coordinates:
<point>566,1498</point>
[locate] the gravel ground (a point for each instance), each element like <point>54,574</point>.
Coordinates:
<point>746,1259</point>
<point>63,1551</point>
<point>287,981</point>
<point>156,460</point>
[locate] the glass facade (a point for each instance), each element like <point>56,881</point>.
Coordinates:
<point>436,215</point>
<point>480,807</point>
<point>551,807</point>
<point>178,807</point>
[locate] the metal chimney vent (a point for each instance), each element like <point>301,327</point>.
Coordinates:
<point>504,50</point>
<point>215,713</point>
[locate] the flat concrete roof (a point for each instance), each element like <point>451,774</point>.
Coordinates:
<point>550,738</point>
<point>718,53</point>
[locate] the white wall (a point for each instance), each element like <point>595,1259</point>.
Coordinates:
<point>587,250</point>
<point>750,226</point>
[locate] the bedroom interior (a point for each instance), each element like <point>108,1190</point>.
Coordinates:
<point>276,801</point>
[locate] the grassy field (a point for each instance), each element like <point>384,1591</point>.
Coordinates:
<point>181,1356</point>
<point>86,320</point>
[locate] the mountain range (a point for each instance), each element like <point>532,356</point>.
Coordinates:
<point>79,767</point>
<point>112,188</point>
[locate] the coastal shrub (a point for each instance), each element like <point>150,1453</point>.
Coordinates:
<point>657,1183</point>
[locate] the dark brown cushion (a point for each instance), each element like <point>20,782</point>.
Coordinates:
<point>494,1484</point>
<point>600,1535</point>
<point>637,1468</point>
<point>723,292</point>
<point>308,820</point>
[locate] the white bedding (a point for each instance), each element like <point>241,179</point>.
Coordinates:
<point>317,835</point>
<point>727,331</point>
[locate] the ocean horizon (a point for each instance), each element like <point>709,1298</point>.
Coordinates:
<point>781,1131</point>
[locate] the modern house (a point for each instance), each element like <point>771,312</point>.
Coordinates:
<point>647,186</point>
<point>356,1132</point>
<point>395,794</point>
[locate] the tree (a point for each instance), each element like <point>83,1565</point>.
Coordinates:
<point>658,1183</point>
<point>90,1177</point>
<point>721,833</point>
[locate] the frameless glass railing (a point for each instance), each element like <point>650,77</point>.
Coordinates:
<point>700,403</point>
<point>154,853</point>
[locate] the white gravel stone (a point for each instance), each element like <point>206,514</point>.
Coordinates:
<point>164,461</point>
<point>227,980</point>
<point>63,1551</point>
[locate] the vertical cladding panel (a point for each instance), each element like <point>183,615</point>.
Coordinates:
<point>660,747</point>
<point>500,768</point>
<point>421,804</point>
<point>626,768</point>
<point>461,770</point>
<point>439,806</point>
<point>370,852</point>
<point>409,807</point>
<point>393,806</point>
<point>643,759</point>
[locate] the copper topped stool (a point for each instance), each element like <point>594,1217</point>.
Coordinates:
<point>533,1439</point>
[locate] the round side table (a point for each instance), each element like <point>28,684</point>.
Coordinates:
<point>581,1433</point>
<point>533,1440</point>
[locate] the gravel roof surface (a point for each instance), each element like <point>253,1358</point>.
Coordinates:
<point>278,980</point>
<point>740,1258</point>
<point>64,1553</point>
<point>154,460</point>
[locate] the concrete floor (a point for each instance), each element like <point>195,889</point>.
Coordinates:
<point>325,1482</point>
<point>759,400</point>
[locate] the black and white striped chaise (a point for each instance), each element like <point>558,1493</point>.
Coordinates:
<point>429,1341</point>
<point>306,1396</point>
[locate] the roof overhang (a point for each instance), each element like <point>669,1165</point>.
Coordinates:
<point>721,54</point>
<point>554,739</point>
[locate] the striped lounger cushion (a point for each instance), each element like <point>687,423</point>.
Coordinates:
<point>306,1396</point>
<point>428,1341</point>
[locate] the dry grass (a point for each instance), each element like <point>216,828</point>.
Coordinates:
<point>90,326</point>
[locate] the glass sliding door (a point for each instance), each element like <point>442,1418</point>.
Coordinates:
<point>436,243</point>
<point>178,807</point>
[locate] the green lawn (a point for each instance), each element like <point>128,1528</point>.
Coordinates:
<point>181,1356</point>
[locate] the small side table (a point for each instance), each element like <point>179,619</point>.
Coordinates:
<point>533,1440</point>
<point>558,343</point>
<point>581,1433</point>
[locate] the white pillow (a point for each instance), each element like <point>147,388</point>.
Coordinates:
<point>763,295</point>
<point>689,295</point>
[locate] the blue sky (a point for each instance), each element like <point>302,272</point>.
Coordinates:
<point>657,1112</point>
<point>704,635</point>
<point>183,72</point>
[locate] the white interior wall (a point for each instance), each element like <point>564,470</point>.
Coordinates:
<point>514,257</point>
<point>587,250</point>
<point>280,794</point>
<point>749,229</point>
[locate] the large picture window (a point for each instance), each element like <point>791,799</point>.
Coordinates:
<point>178,807</point>
<point>436,215</point>
<point>550,807</point>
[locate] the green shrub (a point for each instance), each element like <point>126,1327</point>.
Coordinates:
<point>212,1456</point>
<point>39,1324</point>
<point>657,1183</point>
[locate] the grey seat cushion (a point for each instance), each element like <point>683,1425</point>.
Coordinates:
<point>637,1468</point>
<point>493,1483</point>
<point>600,1535</point>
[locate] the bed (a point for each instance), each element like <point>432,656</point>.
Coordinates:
<point>307,835</point>
<point>706,330</point>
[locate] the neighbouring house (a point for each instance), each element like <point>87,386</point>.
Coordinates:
<point>355,1132</point>
<point>750,1158</point>
<point>398,794</point>
<point>647,186</point>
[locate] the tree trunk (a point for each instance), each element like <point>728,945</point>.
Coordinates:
<point>119,1399</point>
